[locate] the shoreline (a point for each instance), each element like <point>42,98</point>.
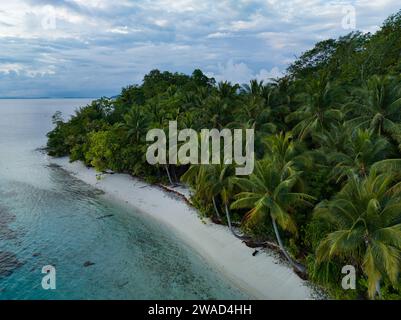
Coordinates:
<point>262,276</point>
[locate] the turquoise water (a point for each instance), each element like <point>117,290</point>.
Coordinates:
<point>47,217</point>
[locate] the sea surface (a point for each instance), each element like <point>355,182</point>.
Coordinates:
<point>99,250</point>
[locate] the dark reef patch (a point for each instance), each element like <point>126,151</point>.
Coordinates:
<point>8,263</point>
<point>6,218</point>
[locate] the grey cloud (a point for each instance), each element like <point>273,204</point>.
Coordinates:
<point>98,49</point>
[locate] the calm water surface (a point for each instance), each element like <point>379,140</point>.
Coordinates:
<point>47,217</point>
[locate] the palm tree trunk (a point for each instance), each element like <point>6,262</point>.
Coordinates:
<point>174,174</point>
<point>230,225</point>
<point>168,174</point>
<point>215,208</point>
<point>378,291</point>
<point>295,264</point>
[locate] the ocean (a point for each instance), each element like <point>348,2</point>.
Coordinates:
<point>99,249</point>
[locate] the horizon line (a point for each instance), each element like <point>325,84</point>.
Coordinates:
<point>39,98</point>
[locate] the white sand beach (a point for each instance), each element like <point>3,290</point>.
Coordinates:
<point>262,276</point>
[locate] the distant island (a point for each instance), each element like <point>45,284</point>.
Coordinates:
<point>46,98</point>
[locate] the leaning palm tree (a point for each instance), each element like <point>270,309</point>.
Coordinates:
<point>221,176</point>
<point>198,177</point>
<point>365,222</point>
<point>379,106</point>
<point>269,194</point>
<point>214,183</point>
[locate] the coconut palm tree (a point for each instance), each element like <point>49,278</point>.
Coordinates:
<point>269,194</point>
<point>389,166</point>
<point>253,109</point>
<point>365,222</point>
<point>197,176</point>
<point>214,183</point>
<point>158,117</point>
<point>135,123</point>
<point>318,109</point>
<point>281,90</point>
<point>216,112</point>
<point>254,88</point>
<point>333,139</point>
<point>221,177</point>
<point>361,150</point>
<point>277,96</point>
<point>226,90</point>
<point>378,106</point>
<point>287,153</point>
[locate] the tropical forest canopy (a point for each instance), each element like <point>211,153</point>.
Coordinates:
<point>326,188</point>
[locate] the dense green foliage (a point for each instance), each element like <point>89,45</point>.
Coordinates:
<point>327,182</point>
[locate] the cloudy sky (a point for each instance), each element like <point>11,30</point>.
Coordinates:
<point>91,48</point>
